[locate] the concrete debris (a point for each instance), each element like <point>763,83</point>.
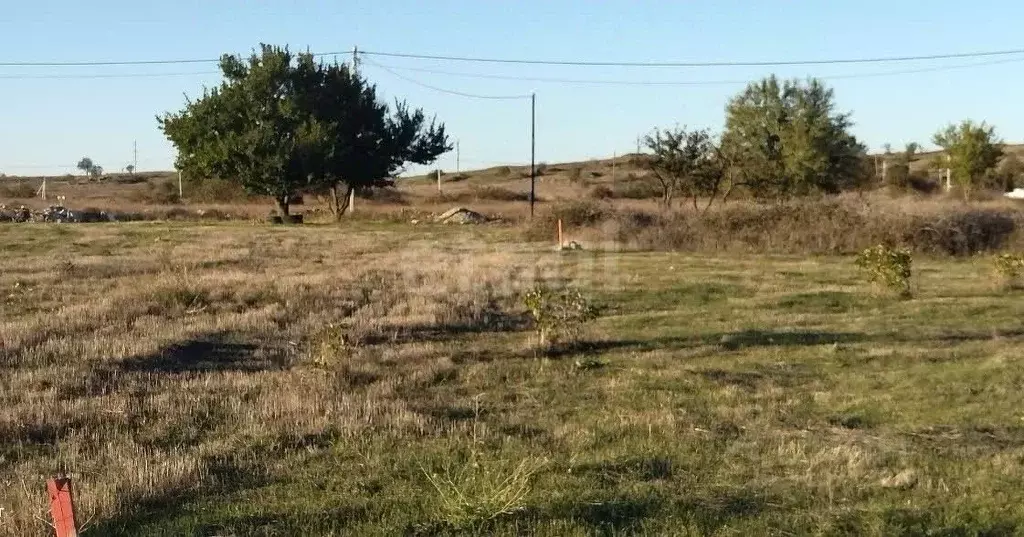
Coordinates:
<point>573,245</point>
<point>460,215</point>
<point>53,213</point>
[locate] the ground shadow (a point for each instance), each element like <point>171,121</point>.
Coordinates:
<point>449,331</point>
<point>209,353</point>
<point>724,341</point>
<point>614,517</point>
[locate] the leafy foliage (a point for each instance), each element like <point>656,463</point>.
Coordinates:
<point>282,124</point>
<point>685,162</point>
<point>887,266</point>
<point>558,315</point>
<point>1009,267</point>
<point>973,151</point>
<point>482,490</point>
<point>785,139</point>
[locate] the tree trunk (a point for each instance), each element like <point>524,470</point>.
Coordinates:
<point>340,203</point>
<point>335,203</point>
<point>282,208</point>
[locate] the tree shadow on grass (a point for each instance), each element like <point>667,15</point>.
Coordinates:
<point>449,331</point>
<point>612,516</point>
<point>725,341</point>
<point>209,353</point>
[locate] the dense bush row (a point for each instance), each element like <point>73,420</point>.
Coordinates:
<point>839,225</point>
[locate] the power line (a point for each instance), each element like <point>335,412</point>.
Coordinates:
<point>690,82</point>
<point>699,64</point>
<point>443,90</point>
<point>583,63</point>
<point>64,76</point>
<point>112,63</point>
<point>59,76</point>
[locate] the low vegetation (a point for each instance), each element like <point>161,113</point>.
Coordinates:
<point>889,267</point>
<point>226,379</point>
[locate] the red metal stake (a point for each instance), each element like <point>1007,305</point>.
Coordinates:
<point>62,507</point>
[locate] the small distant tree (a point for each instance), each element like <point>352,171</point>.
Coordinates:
<point>130,169</point>
<point>687,163</point>
<point>973,151</point>
<point>86,165</point>
<point>96,171</point>
<point>911,151</point>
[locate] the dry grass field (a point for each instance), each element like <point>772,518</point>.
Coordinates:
<point>382,378</point>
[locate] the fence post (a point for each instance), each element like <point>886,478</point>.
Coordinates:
<point>62,507</point>
<point>560,242</point>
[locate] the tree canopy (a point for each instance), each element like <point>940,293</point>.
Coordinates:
<point>973,150</point>
<point>89,167</point>
<point>685,162</point>
<point>784,139</point>
<point>281,124</point>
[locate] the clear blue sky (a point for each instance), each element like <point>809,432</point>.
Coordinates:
<point>47,124</point>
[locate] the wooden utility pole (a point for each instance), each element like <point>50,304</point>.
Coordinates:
<point>438,171</point>
<point>533,151</point>
<point>181,192</point>
<point>135,156</point>
<point>457,168</point>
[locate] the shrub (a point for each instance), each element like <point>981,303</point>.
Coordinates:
<point>601,192</point>
<point>384,195</point>
<point>558,315</point>
<point>638,188</point>
<point>964,232</point>
<point>17,189</point>
<point>887,266</point>
<point>494,193</point>
<point>579,213</point>
<point>163,192</point>
<point>1009,266</point>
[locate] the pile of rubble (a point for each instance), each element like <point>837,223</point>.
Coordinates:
<point>460,215</point>
<point>53,213</point>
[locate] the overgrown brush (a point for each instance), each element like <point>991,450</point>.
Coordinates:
<point>559,315</point>
<point>17,189</point>
<point>889,267</point>
<point>479,490</point>
<point>833,226</point>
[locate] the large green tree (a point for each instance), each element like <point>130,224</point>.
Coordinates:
<point>973,150</point>
<point>282,124</point>
<point>785,139</point>
<point>369,141</point>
